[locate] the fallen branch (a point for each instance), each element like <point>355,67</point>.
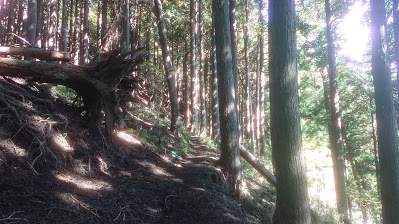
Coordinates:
<point>39,53</point>
<point>258,166</point>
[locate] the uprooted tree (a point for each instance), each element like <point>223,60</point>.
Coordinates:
<point>97,83</point>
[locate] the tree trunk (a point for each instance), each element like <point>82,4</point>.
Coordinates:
<point>85,35</point>
<point>337,151</point>
<point>186,94</point>
<point>233,34</point>
<point>374,137</point>
<point>214,87</point>
<point>250,119</point>
<point>230,155</point>
<point>32,22</point>
<point>125,40</point>
<point>292,205</point>
<point>261,145</point>
<point>251,159</point>
<point>386,122</point>
<point>202,72</point>
<point>104,21</point>
<point>194,72</point>
<point>39,27</point>
<point>169,70</point>
<point>64,26</point>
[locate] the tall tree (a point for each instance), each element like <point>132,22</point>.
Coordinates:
<point>202,69</point>
<point>85,34</point>
<point>104,21</point>
<point>250,118</point>
<point>214,88</point>
<point>261,95</point>
<point>233,33</point>
<point>193,61</point>
<point>125,23</point>
<point>386,122</point>
<point>32,22</point>
<point>396,39</point>
<point>335,134</point>
<point>292,205</point>
<point>64,26</point>
<point>229,133</point>
<point>169,70</point>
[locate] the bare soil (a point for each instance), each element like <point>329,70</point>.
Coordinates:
<point>53,170</point>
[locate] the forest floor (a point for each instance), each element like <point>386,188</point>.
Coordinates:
<point>52,170</point>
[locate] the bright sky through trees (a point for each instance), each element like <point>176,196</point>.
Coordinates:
<point>355,33</point>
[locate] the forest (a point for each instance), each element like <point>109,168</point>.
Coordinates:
<point>197,111</point>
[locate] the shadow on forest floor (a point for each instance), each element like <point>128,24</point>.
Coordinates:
<point>53,171</point>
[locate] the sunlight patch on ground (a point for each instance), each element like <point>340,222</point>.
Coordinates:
<point>85,183</point>
<point>61,143</point>
<point>73,200</point>
<point>11,148</point>
<point>159,171</point>
<point>128,138</point>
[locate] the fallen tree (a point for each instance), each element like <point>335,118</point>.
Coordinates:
<point>96,83</point>
<point>257,165</point>
<point>38,53</point>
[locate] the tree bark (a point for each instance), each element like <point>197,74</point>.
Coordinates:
<point>233,34</point>
<point>230,155</point>
<point>85,34</point>
<point>169,70</point>
<point>214,87</point>
<point>292,205</point>
<point>37,53</point>
<point>337,151</point>
<point>250,119</point>
<point>32,22</point>
<point>64,26</point>
<point>194,72</point>
<point>104,21</point>
<point>386,122</point>
<point>125,40</point>
<point>202,72</point>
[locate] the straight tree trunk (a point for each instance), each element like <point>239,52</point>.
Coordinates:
<point>104,21</point>
<point>386,121</point>
<point>229,133</point>
<point>20,17</point>
<point>71,24</point>
<point>375,150</point>
<point>337,150</point>
<point>169,70</point>
<point>396,43</point>
<point>214,87</point>
<point>64,26</point>
<point>292,204</point>
<point>85,34</point>
<point>39,27</point>
<point>250,119</point>
<point>202,72</point>
<point>233,34</point>
<point>194,72</point>
<point>125,41</point>
<point>261,145</point>
<point>186,94</point>
<point>32,22</point>
<point>10,22</point>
